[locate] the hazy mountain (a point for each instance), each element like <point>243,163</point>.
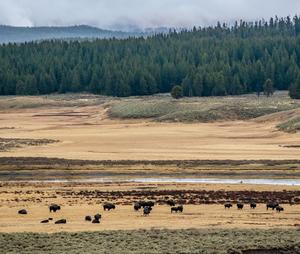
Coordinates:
<point>26,34</point>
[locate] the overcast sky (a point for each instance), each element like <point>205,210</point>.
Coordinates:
<point>116,14</point>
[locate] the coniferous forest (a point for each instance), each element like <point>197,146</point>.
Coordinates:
<point>219,60</point>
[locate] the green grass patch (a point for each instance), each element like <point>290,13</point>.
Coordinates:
<point>153,241</point>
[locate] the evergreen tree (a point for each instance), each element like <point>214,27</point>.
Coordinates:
<point>177,92</point>
<point>268,88</point>
<point>218,60</point>
<point>294,90</point>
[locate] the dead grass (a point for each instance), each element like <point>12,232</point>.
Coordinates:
<point>87,132</point>
<point>155,241</point>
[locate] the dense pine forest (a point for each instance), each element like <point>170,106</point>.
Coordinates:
<point>219,60</point>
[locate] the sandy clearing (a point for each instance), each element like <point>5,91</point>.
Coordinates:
<point>86,133</point>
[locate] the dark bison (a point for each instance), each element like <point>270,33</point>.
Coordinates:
<point>62,221</point>
<point>147,210</point>
<point>146,203</point>
<point>88,218</point>
<point>108,206</point>
<point>45,221</point>
<point>253,205</point>
<point>23,212</point>
<point>96,221</point>
<point>272,205</point>
<point>228,205</point>
<point>97,216</point>
<point>137,206</point>
<point>177,209</point>
<point>279,209</point>
<point>170,202</point>
<point>240,206</point>
<point>54,208</point>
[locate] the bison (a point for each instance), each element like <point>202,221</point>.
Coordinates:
<point>177,209</point>
<point>54,208</point>
<point>108,206</point>
<point>147,210</point>
<point>88,218</point>
<point>240,206</point>
<point>272,205</point>
<point>95,221</point>
<point>146,203</point>
<point>97,216</point>
<point>253,205</point>
<point>62,221</point>
<point>23,212</point>
<point>227,205</point>
<point>170,202</point>
<point>45,221</point>
<point>279,209</point>
<point>137,206</point>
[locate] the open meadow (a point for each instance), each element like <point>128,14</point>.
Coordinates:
<point>100,128</point>
<point>80,151</point>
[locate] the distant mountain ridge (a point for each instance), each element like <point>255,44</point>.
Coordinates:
<point>27,34</point>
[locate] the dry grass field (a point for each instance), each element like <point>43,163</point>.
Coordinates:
<point>85,130</point>
<point>203,206</point>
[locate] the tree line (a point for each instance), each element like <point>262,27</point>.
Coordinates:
<point>217,60</point>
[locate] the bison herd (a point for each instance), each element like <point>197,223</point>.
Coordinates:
<point>271,205</point>
<point>147,207</point>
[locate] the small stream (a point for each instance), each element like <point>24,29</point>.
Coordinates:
<point>251,181</point>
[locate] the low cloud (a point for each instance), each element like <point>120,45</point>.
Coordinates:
<point>123,14</point>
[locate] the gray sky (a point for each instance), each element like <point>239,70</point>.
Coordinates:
<point>116,14</point>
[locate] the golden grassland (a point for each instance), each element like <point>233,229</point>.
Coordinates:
<point>85,130</point>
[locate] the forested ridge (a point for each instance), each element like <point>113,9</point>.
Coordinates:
<point>217,60</point>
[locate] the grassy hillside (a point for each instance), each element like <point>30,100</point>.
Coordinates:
<point>205,109</point>
<point>291,125</point>
<point>155,241</point>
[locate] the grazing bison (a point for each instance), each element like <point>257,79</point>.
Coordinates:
<point>171,202</point>
<point>228,205</point>
<point>45,221</point>
<point>146,203</point>
<point>240,206</point>
<point>108,206</point>
<point>253,205</point>
<point>147,210</point>
<point>62,221</point>
<point>23,212</point>
<point>177,209</point>
<point>272,205</point>
<point>88,218</point>
<point>50,218</point>
<point>137,206</point>
<point>54,208</point>
<point>97,216</point>
<point>279,209</point>
<point>96,221</point>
